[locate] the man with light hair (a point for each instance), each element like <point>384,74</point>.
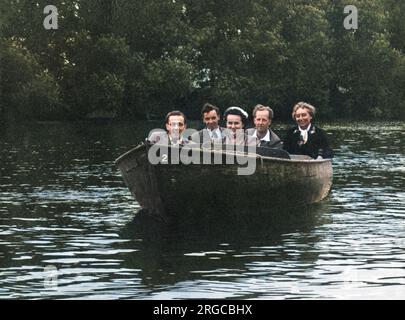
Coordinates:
<point>265,137</point>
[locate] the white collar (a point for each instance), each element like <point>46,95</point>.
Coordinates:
<point>307,129</point>
<point>179,141</point>
<point>217,130</point>
<point>265,138</point>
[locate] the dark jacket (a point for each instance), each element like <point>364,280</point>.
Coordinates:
<point>316,145</point>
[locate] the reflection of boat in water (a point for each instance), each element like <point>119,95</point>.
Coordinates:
<point>183,190</point>
<point>202,248</point>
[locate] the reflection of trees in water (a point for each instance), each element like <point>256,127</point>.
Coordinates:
<point>169,254</point>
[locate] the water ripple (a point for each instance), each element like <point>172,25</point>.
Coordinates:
<point>69,228</point>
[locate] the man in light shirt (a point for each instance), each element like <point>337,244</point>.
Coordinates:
<point>265,137</point>
<point>212,131</point>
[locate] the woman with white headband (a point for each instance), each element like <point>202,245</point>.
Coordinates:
<point>236,120</point>
<point>306,138</point>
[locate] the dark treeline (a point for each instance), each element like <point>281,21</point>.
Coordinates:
<point>142,58</point>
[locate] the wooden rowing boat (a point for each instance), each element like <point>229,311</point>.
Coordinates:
<point>176,190</point>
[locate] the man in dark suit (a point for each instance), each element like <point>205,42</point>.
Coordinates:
<point>265,137</point>
<point>212,131</point>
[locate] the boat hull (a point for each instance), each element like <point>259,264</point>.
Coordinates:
<point>175,190</point>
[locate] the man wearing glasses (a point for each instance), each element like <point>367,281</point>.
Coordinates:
<point>175,126</point>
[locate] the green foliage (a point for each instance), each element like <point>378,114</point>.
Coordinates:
<point>95,72</point>
<point>168,78</point>
<point>143,58</point>
<point>28,91</point>
<point>364,63</point>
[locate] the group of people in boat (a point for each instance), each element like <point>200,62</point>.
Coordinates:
<point>303,139</point>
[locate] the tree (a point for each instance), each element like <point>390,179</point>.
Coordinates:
<point>28,91</point>
<point>95,74</point>
<point>143,58</point>
<point>364,62</point>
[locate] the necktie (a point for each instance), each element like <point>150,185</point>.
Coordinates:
<point>214,135</point>
<point>304,135</point>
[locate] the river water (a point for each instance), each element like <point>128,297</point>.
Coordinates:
<point>69,227</point>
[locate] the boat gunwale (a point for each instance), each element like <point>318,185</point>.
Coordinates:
<point>249,155</point>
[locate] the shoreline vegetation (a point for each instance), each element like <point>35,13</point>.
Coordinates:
<point>198,124</point>
<point>124,60</point>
